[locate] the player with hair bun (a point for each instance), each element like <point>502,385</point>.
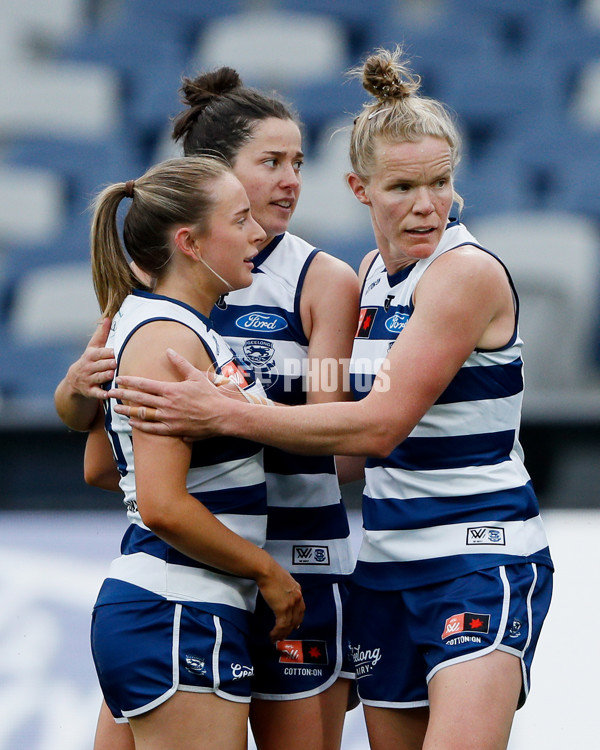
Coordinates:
<point>301,307</point>
<point>454,569</point>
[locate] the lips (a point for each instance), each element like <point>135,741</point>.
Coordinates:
<point>421,231</point>
<point>286,204</point>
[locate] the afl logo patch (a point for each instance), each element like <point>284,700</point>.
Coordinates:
<point>365,322</point>
<point>258,352</point>
<point>397,322</point>
<point>257,321</point>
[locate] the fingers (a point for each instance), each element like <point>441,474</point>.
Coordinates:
<point>101,333</point>
<point>134,397</point>
<point>142,387</point>
<point>286,623</point>
<point>183,367</point>
<point>143,413</point>
<point>291,617</point>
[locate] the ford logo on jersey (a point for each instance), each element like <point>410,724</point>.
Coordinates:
<point>397,322</point>
<point>257,321</point>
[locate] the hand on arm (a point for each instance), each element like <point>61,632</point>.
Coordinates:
<point>463,301</point>
<point>76,397</point>
<point>172,513</point>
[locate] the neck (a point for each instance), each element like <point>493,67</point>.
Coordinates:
<point>197,294</point>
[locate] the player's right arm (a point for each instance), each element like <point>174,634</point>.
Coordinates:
<point>167,508</point>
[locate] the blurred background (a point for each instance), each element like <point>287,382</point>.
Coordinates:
<point>88,89</point>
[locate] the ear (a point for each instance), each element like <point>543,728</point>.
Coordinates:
<point>185,242</point>
<point>359,188</point>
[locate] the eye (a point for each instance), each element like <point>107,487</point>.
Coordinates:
<point>402,187</point>
<point>298,165</point>
<point>271,162</point>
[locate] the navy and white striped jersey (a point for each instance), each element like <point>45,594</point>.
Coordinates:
<point>453,497</point>
<point>307,532</point>
<point>226,475</point>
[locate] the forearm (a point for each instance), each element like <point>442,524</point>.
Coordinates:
<point>344,428</point>
<point>189,527</point>
<point>74,409</point>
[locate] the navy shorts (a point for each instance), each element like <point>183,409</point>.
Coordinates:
<point>145,651</point>
<point>312,657</point>
<point>410,635</point>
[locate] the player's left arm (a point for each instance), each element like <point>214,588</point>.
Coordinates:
<point>329,312</point>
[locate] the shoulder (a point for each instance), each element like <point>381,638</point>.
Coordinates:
<point>468,260</point>
<point>464,270</point>
<point>365,264</point>
<point>329,278</point>
<point>146,350</point>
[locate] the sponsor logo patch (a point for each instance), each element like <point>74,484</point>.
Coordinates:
<point>364,660</point>
<point>258,352</point>
<point>302,652</point>
<point>365,322</point>
<point>195,664</point>
<point>237,373</point>
<point>257,321</point>
<point>310,555</point>
<point>240,671</point>
<point>396,323</point>
<point>486,535</point>
<point>372,285</point>
<point>467,622</point>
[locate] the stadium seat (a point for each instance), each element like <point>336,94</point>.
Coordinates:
<point>328,214</point>
<point>556,164</point>
<point>54,303</point>
<point>85,165</point>
<point>586,101</point>
<point>57,99</point>
<point>32,204</point>
<point>274,49</point>
<point>148,65</point>
<point>554,260</point>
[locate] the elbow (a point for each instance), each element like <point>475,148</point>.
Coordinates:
<point>383,440</point>
<point>94,476</point>
<point>381,447</point>
<point>156,517</point>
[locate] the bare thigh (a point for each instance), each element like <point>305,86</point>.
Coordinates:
<point>314,722</point>
<point>110,735</point>
<point>396,728</point>
<point>193,721</point>
<point>472,704</point>
<point>471,707</point>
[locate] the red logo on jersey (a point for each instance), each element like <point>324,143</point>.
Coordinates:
<point>467,622</point>
<point>233,371</point>
<point>365,322</point>
<point>302,652</point>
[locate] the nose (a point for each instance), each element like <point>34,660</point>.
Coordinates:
<point>423,203</point>
<point>257,234</point>
<point>290,176</point>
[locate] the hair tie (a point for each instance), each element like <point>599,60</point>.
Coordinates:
<point>129,185</point>
<point>378,112</point>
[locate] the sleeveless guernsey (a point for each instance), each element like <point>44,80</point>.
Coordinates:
<point>307,532</point>
<point>226,475</point>
<point>454,497</point>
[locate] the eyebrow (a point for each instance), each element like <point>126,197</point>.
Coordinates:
<point>298,154</point>
<point>242,211</point>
